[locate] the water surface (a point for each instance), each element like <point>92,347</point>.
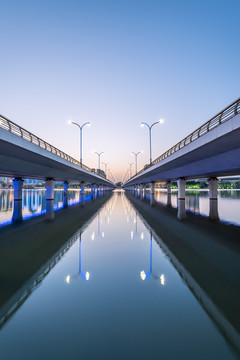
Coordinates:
<point>115,294</point>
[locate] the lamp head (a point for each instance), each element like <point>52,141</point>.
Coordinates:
<point>142,124</point>
<point>70,122</point>
<point>161,121</point>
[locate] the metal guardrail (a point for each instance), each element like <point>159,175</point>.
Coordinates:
<point>15,129</point>
<point>223,116</point>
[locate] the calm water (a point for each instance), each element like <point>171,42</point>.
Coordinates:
<point>115,294</point>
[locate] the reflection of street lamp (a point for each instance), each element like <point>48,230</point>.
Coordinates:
<point>84,275</point>
<point>80,128</point>
<point>150,134</point>
<point>136,155</point>
<point>146,276</point>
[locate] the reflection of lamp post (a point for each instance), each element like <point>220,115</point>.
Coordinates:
<point>146,276</point>
<point>80,128</point>
<point>84,275</point>
<point>136,155</point>
<point>150,134</point>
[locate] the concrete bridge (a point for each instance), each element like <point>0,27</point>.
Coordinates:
<point>210,151</point>
<point>24,155</point>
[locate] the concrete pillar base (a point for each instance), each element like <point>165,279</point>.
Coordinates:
<point>49,210</point>
<point>181,214</point>
<point>17,211</point>
<point>213,209</point>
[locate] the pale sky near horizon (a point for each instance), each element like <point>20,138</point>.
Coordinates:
<point>115,64</point>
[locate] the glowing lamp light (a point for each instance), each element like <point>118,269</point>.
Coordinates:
<point>162,279</point>
<point>68,279</point>
<point>103,234</point>
<point>161,121</point>
<point>131,235</point>
<point>143,275</point>
<point>142,235</point>
<point>93,235</point>
<point>87,275</point>
<point>142,125</point>
<point>70,122</point>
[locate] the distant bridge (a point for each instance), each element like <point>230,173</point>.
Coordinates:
<point>210,151</point>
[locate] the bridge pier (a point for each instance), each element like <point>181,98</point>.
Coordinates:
<point>169,202</point>
<point>17,188</point>
<point>152,190</point>
<point>65,194</point>
<point>17,203</point>
<point>17,211</point>
<point>141,191</point>
<point>181,215</point>
<point>82,193</point>
<point>49,199</point>
<point>213,198</point>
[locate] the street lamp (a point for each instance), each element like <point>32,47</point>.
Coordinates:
<point>80,128</point>
<point>130,165</point>
<point>105,164</point>
<point>150,134</point>
<point>136,155</point>
<point>99,156</point>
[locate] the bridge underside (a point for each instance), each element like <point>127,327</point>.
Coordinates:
<point>40,164</point>
<point>216,156</point>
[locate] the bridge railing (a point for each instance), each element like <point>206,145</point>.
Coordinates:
<point>223,116</point>
<point>15,129</point>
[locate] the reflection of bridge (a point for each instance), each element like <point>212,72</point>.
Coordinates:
<point>209,264</point>
<point>211,150</point>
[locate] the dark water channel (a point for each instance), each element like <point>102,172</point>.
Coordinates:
<point>130,282</point>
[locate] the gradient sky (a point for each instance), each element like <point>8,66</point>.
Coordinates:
<point>117,63</point>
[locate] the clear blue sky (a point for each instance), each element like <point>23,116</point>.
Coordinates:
<point>115,64</point>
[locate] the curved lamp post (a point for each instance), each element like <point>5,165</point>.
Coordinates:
<point>136,155</point>
<point>80,128</point>
<point>150,134</point>
<point>130,165</point>
<point>99,156</point>
<point>105,164</point>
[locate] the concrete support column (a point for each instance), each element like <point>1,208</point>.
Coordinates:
<point>49,199</point>
<point>141,191</point>
<point>213,188</point>
<point>152,190</point>
<point>17,211</point>
<point>17,188</point>
<point>82,194</point>
<point>168,187</point>
<point>169,200</point>
<point>49,189</point>
<point>82,188</point>
<point>213,199</point>
<point>65,194</point>
<point>65,188</point>
<point>181,199</point>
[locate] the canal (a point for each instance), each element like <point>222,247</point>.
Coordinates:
<point>118,279</point>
